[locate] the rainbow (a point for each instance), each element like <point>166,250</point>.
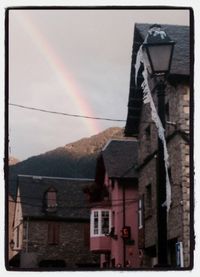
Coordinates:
<point>60,70</point>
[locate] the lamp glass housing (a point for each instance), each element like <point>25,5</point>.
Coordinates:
<point>158,50</point>
<point>159,57</point>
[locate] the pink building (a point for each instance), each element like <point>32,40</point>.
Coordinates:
<point>114,206</point>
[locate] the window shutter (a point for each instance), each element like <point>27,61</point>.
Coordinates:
<point>50,232</point>
<point>53,232</point>
<point>56,233</point>
<point>87,235</point>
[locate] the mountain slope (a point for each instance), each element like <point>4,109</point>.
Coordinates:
<point>74,160</point>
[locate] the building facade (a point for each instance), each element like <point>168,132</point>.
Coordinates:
<point>177,133</point>
<point>51,224</point>
<point>11,211</point>
<point>114,206</point>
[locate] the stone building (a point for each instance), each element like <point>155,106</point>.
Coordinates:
<point>178,98</point>
<point>114,206</point>
<point>11,211</point>
<point>51,224</point>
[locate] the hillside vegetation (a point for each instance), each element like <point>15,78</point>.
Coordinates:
<point>74,160</point>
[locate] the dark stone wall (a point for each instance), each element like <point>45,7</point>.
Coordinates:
<point>73,245</point>
<point>179,151</point>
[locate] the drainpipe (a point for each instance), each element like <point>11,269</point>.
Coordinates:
<point>162,251</point>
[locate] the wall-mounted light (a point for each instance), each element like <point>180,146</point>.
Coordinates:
<point>159,50</point>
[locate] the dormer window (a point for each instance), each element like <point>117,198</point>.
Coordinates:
<point>51,200</point>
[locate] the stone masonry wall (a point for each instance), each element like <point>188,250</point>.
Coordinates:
<point>11,211</point>
<point>177,99</point>
<point>185,159</point>
<point>71,248</point>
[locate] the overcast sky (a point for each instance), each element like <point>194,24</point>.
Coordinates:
<point>75,62</point>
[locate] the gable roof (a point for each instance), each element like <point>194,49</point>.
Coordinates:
<point>120,158</point>
<point>180,68</point>
<point>70,197</point>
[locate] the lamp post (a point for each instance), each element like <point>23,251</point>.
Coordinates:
<point>158,49</point>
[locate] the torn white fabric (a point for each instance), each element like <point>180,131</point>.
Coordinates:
<point>147,98</point>
<point>156,31</point>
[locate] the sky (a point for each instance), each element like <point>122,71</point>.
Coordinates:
<point>71,61</point>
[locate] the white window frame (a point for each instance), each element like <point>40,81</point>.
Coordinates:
<point>98,213</point>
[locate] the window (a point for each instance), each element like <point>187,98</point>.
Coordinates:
<point>112,183</point>
<point>96,223</point>
<point>167,118</point>
<point>17,237</point>
<point>141,223</point>
<point>148,133</point>
<point>51,200</point>
<point>148,140</point>
<point>140,213</point>
<point>105,222</point>
<point>148,202</point>
<point>53,233</point>
<point>113,262</point>
<point>100,222</point>
<point>170,175</point>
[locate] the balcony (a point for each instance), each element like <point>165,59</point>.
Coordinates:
<point>100,244</point>
<point>100,227</point>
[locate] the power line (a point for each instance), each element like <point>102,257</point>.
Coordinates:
<point>66,114</point>
<point>83,116</point>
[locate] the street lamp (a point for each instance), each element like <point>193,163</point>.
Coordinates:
<point>158,50</point>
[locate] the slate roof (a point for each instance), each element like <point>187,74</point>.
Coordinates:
<point>180,68</point>
<point>120,158</point>
<point>181,36</point>
<point>70,197</point>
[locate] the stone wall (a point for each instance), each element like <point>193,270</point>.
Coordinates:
<point>11,211</point>
<point>177,99</point>
<point>73,245</point>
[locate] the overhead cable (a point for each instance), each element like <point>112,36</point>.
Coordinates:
<point>65,114</point>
